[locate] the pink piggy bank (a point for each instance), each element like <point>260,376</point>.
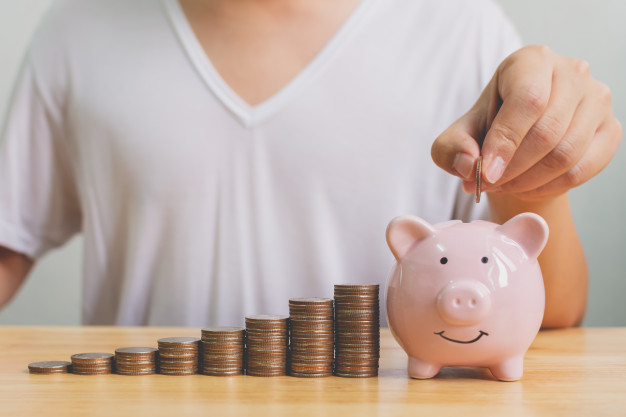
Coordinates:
<point>466,294</point>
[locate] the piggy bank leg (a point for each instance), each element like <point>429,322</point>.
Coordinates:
<point>510,369</point>
<point>422,370</point>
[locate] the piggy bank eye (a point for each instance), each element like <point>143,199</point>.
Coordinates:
<point>484,260</point>
<point>443,260</point>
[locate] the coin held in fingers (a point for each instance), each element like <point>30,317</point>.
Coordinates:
<point>479,168</point>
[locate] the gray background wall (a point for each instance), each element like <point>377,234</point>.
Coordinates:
<point>593,31</point>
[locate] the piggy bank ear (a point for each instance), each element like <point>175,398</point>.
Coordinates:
<point>405,231</point>
<point>528,230</point>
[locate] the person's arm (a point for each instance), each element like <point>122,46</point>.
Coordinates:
<point>548,126</point>
<point>562,261</point>
<point>14,268</point>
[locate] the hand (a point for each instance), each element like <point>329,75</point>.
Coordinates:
<point>544,123</point>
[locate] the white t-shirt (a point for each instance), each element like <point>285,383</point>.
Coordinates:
<point>197,208</point>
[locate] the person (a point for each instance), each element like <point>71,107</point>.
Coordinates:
<point>220,157</point>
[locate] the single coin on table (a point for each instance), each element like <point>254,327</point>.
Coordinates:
<point>49,367</point>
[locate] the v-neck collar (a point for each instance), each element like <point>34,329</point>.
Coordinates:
<point>251,116</point>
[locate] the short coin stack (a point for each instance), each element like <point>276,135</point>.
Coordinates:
<point>312,337</point>
<point>178,355</point>
<point>49,367</point>
<point>357,331</point>
<point>136,360</point>
<point>92,363</point>
<point>222,351</point>
<point>266,340</point>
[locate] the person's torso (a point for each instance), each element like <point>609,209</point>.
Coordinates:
<point>199,208</point>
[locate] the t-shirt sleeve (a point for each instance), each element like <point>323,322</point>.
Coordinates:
<point>498,39</point>
<point>39,208</point>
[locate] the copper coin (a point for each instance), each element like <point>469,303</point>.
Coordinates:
<point>312,375</point>
<point>177,373</point>
<point>138,372</point>
<point>479,177</point>
<point>49,367</point>
<point>225,373</point>
<point>266,374</point>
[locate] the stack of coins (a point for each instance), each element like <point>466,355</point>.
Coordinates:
<point>135,360</point>
<point>222,351</point>
<point>357,331</point>
<point>92,363</point>
<point>266,340</point>
<point>178,355</point>
<point>312,337</point>
<point>49,367</point>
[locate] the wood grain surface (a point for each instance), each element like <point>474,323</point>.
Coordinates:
<point>573,372</point>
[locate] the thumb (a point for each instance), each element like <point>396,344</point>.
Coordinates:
<point>457,148</point>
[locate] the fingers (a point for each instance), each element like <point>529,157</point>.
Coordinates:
<point>597,157</point>
<point>569,148</point>
<point>456,149</point>
<point>524,83</point>
<point>549,127</point>
<point>542,138</point>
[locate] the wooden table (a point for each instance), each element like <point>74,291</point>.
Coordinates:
<point>567,372</point>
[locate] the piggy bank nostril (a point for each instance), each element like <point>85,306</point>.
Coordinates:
<point>463,302</point>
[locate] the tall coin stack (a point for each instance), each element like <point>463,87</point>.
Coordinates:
<point>92,363</point>
<point>178,355</point>
<point>357,331</point>
<point>266,341</point>
<point>136,360</point>
<point>222,351</point>
<point>312,337</point>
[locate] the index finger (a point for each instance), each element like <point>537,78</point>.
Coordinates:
<point>523,84</point>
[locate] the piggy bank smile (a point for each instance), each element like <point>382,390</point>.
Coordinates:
<point>476,339</point>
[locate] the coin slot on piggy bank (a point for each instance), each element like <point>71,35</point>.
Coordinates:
<point>466,294</point>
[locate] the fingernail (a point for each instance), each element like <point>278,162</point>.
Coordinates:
<point>469,187</point>
<point>495,170</point>
<point>463,164</point>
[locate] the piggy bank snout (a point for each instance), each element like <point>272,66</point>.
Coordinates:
<point>464,303</point>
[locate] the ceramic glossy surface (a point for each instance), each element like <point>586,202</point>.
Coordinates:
<point>466,294</point>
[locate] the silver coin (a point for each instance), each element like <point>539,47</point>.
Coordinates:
<point>49,367</point>
<point>266,317</point>
<point>95,356</point>
<point>222,329</point>
<point>310,300</point>
<point>178,340</point>
<point>137,350</point>
<point>50,364</point>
